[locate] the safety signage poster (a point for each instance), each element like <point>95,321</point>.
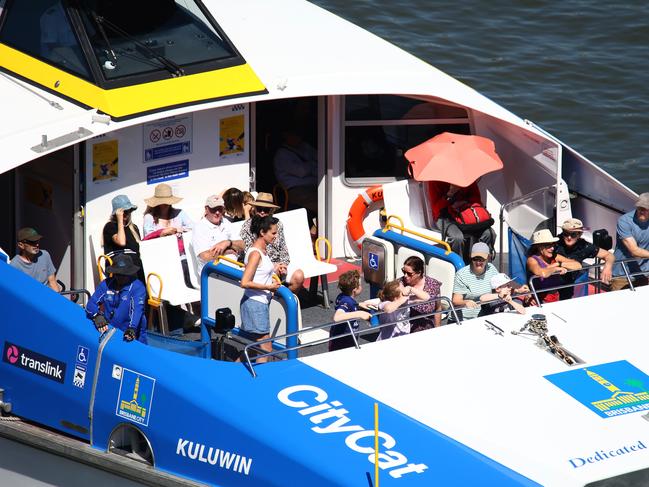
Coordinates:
<point>169,137</point>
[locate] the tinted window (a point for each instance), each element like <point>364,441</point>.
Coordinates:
<point>390,107</point>
<point>41,28</point>
<point>139,36</point>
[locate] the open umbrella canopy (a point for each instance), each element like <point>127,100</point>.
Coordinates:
<point>453,158</point>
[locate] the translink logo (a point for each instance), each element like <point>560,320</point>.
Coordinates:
<point>34,362</point>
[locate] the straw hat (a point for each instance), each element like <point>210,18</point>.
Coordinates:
<point>264,199</point>
<point>543,237</point>
<point>162,195</point>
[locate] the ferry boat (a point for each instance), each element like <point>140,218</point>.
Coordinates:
<point>103,97</point>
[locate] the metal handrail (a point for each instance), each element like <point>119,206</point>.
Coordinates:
<point>401,227</point>
<point>351,332</point>
<point>516,201</point>
<point>589,281</point>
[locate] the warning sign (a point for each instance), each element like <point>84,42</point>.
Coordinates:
<point>169,137</point>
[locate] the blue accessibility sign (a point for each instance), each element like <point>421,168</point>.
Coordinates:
<point>373,261</point>
<point>83,354</point>
<point>611,389</point>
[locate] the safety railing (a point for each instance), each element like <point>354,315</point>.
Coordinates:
<point>389,226</point>
<point>516,202</point>
<point>628,275</point>
<point>351,333</point>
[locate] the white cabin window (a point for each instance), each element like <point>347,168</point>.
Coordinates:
<point>379,129</point>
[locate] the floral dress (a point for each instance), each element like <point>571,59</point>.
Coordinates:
<point>432,287</point>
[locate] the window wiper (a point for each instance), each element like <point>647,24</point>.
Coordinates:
<point>102,32</point>
<point>171,66</point>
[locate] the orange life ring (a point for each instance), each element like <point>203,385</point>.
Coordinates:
<point>357,212</point>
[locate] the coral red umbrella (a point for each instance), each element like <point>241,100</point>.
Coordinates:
<point>453,158</point>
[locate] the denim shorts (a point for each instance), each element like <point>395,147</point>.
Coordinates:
<point>255,316</point>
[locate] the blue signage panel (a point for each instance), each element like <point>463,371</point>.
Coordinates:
<point>373,261</point>
<point>609,389</point>
<point>167,151</point>
<point>167,172</point>
<point>135,397</point>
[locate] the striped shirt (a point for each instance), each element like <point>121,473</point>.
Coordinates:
<point>472,286</point>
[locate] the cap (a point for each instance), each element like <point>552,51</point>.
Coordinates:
<point>480,249</point>
<point>543,236</point>
<point>572,224</point>
<point>28,234</point>
<point>265,199</point>
<point>122,201</point>
<point>643,201</point>
<point>501,280</point>
<point>214,201</point>
<point>123,265</point>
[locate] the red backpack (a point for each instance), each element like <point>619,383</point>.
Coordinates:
<point>471,218</point>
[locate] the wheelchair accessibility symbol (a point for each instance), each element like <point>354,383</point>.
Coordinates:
<point>373,261</point>
<point>82,355</point>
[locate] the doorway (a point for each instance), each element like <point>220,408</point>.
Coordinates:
<point>46,198</point>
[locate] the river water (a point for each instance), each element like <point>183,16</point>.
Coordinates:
<point>576,68</point>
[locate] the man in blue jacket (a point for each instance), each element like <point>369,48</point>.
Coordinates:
<point>119,300</point>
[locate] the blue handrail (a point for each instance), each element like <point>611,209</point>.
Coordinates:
<point>420,246</point>
<point>288,298</point>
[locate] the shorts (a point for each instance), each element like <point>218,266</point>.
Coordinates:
<point>255,316</point>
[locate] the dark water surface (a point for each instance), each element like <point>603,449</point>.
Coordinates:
<point>579,69</point>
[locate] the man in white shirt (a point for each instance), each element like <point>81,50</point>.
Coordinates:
<point>213,235</point>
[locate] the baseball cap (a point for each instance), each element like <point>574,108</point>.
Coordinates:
<point>480,249</point>
<point>643,201</point>
<point>500,280</point>
<point>572,224</point>
<point>214,201</point>
<point>28,234</point>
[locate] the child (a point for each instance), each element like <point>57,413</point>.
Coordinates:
<point>347,310</point>
<point>392,297</point>
<point>502,286</point>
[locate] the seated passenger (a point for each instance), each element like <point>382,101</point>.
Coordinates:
<point>448,202</point>
<point>347,310</point>
<point>119,300</point>
<point>543,262</point>
<point>633,242</point>
<point>34,261</point>
<point>248,200</point>
<point>277,250</point>
<point>413,276</point>
<point>296,169</point>
<point>473,281</point>
<point>392,299</point>
<point>502,286</point>
<point>213,235</point>
<point>234,205</point>
<point>161,218</point>
<point>572,246</point>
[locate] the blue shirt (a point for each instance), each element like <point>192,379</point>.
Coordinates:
<point>122,308</point>
<point>629,226</point>
<point>347,304</point>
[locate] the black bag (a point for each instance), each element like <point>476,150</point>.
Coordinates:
<point>223,320</point>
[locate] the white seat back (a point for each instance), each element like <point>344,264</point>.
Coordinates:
<point>300,246</point>
<point>192,260</point>
<point>161,256</point>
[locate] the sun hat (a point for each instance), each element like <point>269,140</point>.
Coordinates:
<point>572,225</point>
<point>214,201</point>
<point>643,201</point>
<point>543,236</point>
<point>28,234</point>
<point>500,280</point>
<point>162,195</point>
<point>123,265</point>
<point>122,201</point>
<point>480,249</point>
<point>264,199</point>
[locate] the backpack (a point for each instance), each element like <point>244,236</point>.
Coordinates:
<point>471,218</point>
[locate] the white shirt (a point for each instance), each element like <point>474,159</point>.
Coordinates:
<point>263,275</point>
<point>207,235</point>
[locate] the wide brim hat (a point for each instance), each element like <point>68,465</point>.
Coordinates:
<point>123,265</point>
<point>543,237</point>
<point>162,195</point>
<point>264,199</point>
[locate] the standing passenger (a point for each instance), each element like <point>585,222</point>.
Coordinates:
<point>258,283</point>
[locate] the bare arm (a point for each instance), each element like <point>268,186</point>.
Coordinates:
<point>341,315</point>
<point>120,237</point>
<point>633,248</point>
<point>394,305</point>
<point>569,264</point>
<point>249,273</point>
<point>459,301</point>
<point>51,282</point>
<point>607,269</point>
<point>534,267</point>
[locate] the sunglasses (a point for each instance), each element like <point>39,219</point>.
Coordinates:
<point>572,234</point>
<point>407,273</point>
<point>218,209</point>
<point>547,246</point>
<point>37,243</point>
<point>478,259</point>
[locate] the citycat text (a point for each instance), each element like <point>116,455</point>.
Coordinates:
<point>331,418</point>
